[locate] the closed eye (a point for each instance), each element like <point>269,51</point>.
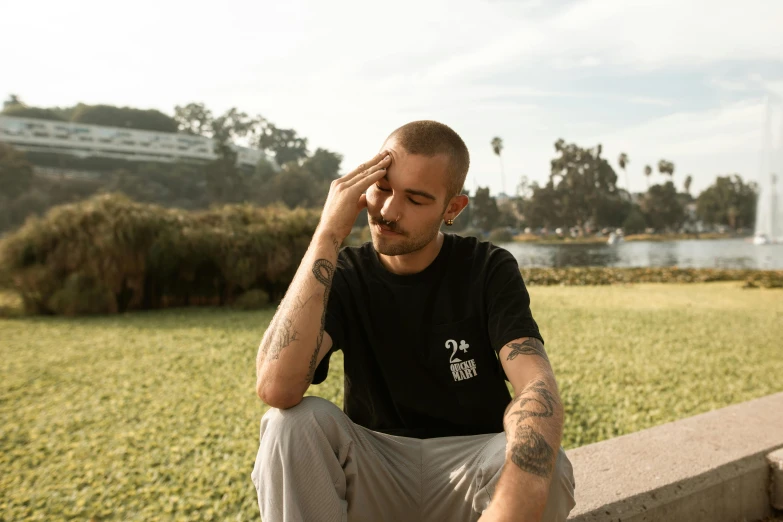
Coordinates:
<point>389,190</point>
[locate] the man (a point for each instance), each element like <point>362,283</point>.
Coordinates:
<point>431,325</point>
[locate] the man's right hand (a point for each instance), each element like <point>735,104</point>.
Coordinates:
<point>346,196</point>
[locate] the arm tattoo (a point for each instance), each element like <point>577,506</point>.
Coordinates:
<point>336,246</point>
<point>323,270</point>
<point>530,346</point>
<point>530,450</point>
<point>285,333</point>
<point>544,399</point>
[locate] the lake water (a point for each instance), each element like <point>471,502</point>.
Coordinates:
<point>689,253</point>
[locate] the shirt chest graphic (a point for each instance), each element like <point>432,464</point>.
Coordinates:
<point>461,369</point>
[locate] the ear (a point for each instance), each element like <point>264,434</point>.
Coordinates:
<point>456,206</point>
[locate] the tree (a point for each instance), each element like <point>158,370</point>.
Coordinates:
<point>265,171</point>
<point>38,113</point>
<point>194,119</point>
<point>647,173</point>
<point>582,182</point>
<point>687,183</point>
<point>293,186</point>
<point>485,210</point>
<point>623,161</point>
<point>285,144</point>
<point>635,222</point>
<point>128,117</point>
<point>729,201</point>
<point>497,148</point>
<point>324,165</point>
<point>666,167</point>
<point>12,101</point>
<point>662,207</point>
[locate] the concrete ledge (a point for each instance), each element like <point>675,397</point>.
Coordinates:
<point>775,460</point>
<point>711,467</point>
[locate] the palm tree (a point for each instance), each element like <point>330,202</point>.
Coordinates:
<point>666,167</point>
<point>687,183</point>
<point>623,161</point>
<point>497,147</point>
<point>647,174</point>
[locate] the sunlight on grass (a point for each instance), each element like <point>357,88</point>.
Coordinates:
<point>153,415</point>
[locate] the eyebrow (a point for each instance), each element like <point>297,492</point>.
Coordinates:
<point>414,191</point>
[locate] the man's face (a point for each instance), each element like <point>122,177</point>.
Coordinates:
<point>406,207</point>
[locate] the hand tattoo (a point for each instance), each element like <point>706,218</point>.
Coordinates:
<point>530,346</point>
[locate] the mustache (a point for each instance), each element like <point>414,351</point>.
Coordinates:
<point>389,224</point>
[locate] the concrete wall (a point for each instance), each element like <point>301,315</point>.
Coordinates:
<point>710,467</point>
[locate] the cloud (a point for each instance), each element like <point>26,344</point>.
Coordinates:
<point>703,143</point>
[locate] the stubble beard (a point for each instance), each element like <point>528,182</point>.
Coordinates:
<point>402,245</point>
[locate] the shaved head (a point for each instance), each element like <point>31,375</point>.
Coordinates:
<point>431,138</point>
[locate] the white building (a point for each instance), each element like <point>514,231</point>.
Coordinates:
<point>84,140</point>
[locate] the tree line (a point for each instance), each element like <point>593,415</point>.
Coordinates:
<point>295,177</point>
<point>582,189</point>
<point>583,192</point>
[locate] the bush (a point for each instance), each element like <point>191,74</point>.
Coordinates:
<point>500,235</point>
<point>252,300</point>
<point>470,232</point>
<point>109,254</point>
<point>634,223</point>
<point>589,276</point>
<point>81,295</point>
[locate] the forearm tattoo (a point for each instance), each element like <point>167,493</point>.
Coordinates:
<point>529,449</point>
<point>531,452</point>
<point>530,346</point>
<point>283,327</point>
<point>323,270</point>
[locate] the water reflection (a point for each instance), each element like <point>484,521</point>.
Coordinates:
<point>722,253</point>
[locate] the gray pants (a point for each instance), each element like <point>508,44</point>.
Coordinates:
<point>314,464</point>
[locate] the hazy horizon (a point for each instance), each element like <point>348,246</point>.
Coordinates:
<point>684,81</point>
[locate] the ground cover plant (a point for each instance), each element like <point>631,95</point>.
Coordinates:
<point>153,415</point>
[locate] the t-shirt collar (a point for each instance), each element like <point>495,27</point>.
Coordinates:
<point>417,278</point>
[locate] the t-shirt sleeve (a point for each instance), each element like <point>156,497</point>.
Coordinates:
<point>508,302</point>
<point>333,326</point>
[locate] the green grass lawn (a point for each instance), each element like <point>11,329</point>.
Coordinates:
<point>153,416</point>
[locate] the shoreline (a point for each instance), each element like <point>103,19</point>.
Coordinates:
<point>593,240</point>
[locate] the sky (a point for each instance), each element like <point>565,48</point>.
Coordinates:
<point>683,80</point>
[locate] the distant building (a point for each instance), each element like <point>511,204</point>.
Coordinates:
<point>85,140</point>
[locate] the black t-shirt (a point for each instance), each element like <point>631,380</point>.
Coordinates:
<point>420,350</point>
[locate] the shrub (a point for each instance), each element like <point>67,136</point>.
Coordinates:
<point>634,223</point>
<point>588,276</point>
<point>144,256</point>
<point>470,232</point>
<point>500,235</point>
<point>252,300</point>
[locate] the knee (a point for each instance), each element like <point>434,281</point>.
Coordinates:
<point>561,491</point>
<point>564,471</point>
<point>301,419</point>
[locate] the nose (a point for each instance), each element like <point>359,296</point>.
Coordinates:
<point>390,210</point>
